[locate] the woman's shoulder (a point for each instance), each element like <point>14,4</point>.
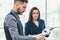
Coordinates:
<point>41,20</point>
<point>28,22</point>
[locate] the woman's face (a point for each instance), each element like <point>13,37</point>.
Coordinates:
<point>35,15</point>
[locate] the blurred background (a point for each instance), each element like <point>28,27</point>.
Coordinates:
<point>50,12</point>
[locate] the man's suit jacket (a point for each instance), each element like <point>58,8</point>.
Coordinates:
<point>32,29</point>
<point>13,27</point>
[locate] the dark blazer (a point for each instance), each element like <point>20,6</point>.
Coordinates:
<point>32,29</point>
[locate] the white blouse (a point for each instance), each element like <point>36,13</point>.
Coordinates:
<point>36,23</point>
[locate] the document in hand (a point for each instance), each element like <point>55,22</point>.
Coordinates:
<point>46,32</point>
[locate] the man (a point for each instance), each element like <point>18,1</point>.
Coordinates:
<point>12,25</point>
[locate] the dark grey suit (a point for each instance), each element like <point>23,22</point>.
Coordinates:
<point>11,30</point>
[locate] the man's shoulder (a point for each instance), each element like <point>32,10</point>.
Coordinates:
<point>9,17</point>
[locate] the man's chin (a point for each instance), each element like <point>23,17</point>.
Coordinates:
<point>20,14</point>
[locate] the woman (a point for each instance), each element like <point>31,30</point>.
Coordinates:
<point>35,25</point>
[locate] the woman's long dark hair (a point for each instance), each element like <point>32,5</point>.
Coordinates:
<point>30,15</point>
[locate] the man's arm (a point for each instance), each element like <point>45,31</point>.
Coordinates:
<point>11,23</point>
<point>12,27</point>
<point>38,37</point>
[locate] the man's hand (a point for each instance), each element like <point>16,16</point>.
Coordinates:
<point>39,37</point>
